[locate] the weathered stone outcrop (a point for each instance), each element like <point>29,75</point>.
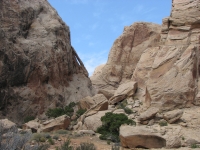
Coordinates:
<point>164,61</point>
<point>173,78</point>
<point>38,66</point>
<point>125,54</point>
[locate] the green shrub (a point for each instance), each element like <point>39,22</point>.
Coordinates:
<point>55,112</point>
<point>72,104</point>
<point>194,146</point>
<point>163,123</point>
<point>28,118</point>
<point>111,123</point>
<point>43,139</point>
<point>61,131</point>
<point>122,104</point>
<point>86,146</point>
<point>51,141</point>
<point>56,137</point>
<point>80,112</point>
<point>39,137</point>
<point>128,110</point>
<point>65,146</point>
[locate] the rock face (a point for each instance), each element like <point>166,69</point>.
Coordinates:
<point>164,61</point>
<point>38,66</point>
<point>125,54</point>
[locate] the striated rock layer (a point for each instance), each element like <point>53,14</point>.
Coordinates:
<point>38,66</point>
<point>163,60</point>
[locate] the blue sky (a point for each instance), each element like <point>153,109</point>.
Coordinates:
<point>95,24</point>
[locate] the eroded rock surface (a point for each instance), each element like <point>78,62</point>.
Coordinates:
<point>125,54</point>
<point>164,61</point>
<point>38,66</point>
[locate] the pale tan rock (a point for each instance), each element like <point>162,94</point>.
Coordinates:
<point>87,132</point>
<point>33,125</point>
<point>94,121</point>
<point>140,137</point>
<point>89,102</point>
<point>107,93</point>
<point>86,103</point>
<point>173,116</point>
<point>96,108</point>
<point>119,111</point>
<point>125,54</point>
<point>99,98</point>
<point>123,91</point>
<point>148,114</point>
<point>58,123</point>
<point>7,125</point>
<point>42,70</point>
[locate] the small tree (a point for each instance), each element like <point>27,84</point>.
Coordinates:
<point>110,126</point>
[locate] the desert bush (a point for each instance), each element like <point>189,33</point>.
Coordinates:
<point>194,146</point>
<point>80,112</point>
<point>86,146</point>
<point>128,110</point>
<point>28,118</point>
<point>61,131</point>
<point>40,137</point>
<point>110,126</point>
<point>51,141</point>
<point>56,112</point>
<point>122,104</point>
<point>65,146</point>
<point>163,123</point>
<point>56,137</point>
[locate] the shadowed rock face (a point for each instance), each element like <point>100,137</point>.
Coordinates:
<point>38,66</point>
<point>164,61</point>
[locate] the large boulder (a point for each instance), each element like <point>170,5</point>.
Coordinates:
<point>125,90</point>
<point>33,125</point>
<point>140,137</point>
<point>89,102</point>
<point>148,114</point>
<point>94,121</point>
<point>173,116</point>
<point>39,68</point>
<point>6,125</point>
<point>107,93</point>
<point>86,103</point>
<point>58,123</point>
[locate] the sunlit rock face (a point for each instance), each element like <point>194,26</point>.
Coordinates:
<point>163,60</point>
<point>39,68</point>
<point>125,54</point>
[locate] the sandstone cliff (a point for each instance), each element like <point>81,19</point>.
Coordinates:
<point>38,66</point>
<point>125,54</point>
<point>164,60</point>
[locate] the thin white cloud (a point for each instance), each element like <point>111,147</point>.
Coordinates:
<point>91,61</point>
